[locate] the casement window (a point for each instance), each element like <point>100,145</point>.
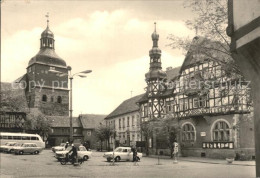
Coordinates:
<point>59,100</point>
<point>119,123</point>
<point>221,131</point>
<point>188,133</point>
<point>44,98</point>
<point>128,121</point>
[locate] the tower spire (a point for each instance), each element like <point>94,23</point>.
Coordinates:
<point>154,26</point>
<point>47,16</point>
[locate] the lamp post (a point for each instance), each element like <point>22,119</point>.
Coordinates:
<point>70,76</point>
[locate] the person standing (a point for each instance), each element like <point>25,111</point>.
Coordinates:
<point>133,149</point>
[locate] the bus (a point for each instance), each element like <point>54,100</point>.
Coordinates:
<point>21,138</point>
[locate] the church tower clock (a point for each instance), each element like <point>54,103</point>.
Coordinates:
<point>155,78</point>
<point>46,90</point>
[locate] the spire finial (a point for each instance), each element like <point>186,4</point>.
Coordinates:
<point>47,16</point>
<point>155,26</point>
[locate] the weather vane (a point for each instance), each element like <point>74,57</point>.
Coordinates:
<point>47,16</point>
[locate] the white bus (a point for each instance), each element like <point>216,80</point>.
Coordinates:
<point>21,138</point>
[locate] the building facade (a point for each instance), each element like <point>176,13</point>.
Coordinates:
<point>211,105</point>
<point>125,121</point>
<point>46,90</point>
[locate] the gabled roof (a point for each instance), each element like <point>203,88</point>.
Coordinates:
<point>206,48</point>
<point>127,106</point>
<point>91,121</point>
<point>63,121</point>
<point>172,73</point>
<point>13,98</point>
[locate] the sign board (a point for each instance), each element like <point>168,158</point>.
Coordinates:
<point>202,134</point>
<point>218,145</point>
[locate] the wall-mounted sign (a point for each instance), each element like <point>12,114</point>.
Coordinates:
<point>218,145</point>
<point>202,134</point>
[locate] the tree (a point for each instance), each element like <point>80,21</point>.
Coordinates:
<point>211,20</point>
<point>147,131</point>
<point>104,133</point>
<point>167,132</point>
<point>38,123</point>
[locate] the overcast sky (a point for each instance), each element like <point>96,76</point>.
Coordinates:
<point>112,38</point>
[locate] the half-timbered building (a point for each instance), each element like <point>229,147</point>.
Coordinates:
<point>211,105</point>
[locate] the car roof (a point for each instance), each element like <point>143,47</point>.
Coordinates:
<point>30,143</point>
<point>124,147</point>
<point>11,142</point>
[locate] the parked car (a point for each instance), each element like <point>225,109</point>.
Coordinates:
<point>31,148</point>
<point>10,149</point>
<point>6,145</point>
<point>61,147</point>
<point>122,153</point>
<point>82,153</point>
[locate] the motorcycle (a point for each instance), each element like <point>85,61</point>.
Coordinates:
<point>69,159</point>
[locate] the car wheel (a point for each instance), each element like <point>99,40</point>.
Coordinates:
<point>20,152</point>
<point>108,159</point>
<point>63,161</point>
<point>85,158</point>
<point>117,159</point>
<point>11,151</point>
<point>36,152</point>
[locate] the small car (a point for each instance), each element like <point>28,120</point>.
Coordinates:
<point>122,153</point>
<point>6,145</point>
<point>10,149</point>
<point>61,147</point>
<point>82,153</point>
<point>31,148</point>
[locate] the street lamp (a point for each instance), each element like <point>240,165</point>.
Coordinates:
<point>70,76</point>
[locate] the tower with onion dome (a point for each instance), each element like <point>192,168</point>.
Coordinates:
<point>46,90</point>
<point>154,79</point>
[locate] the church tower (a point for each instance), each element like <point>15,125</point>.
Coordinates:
<point>154,79</point>
<point>46,90</point>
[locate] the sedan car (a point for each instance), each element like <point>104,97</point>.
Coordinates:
<point>61,147</point>
<point>82,153</point>
<point>122,153</point>
<point>10,149</point>
<point>31,148</point>
<point>6,145</point>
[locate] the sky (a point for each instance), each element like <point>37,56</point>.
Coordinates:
<point>111,38</point>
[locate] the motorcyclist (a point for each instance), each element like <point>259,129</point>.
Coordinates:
<point>74,152</point>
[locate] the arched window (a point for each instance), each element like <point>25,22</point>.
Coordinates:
<point>221,131</point>
<point>59,100</point>
<point>188,132</point>
<point>44,98</point>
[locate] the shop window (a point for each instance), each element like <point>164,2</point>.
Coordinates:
<point>188,133</point>
<point>221,131</point>
<point>44,98</point>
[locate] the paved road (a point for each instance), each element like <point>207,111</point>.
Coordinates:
<point>45,165</point>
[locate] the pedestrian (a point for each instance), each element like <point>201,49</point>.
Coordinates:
<point>66,145</point>
<point>85,145</point>
<point>133,149</point>
<point>74,154</point>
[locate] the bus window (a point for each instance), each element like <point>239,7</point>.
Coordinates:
<point>25,138</point>
<point>17,137</point>
<point>10,137</point>
<point>4,137</point>
<point>34,138</point>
